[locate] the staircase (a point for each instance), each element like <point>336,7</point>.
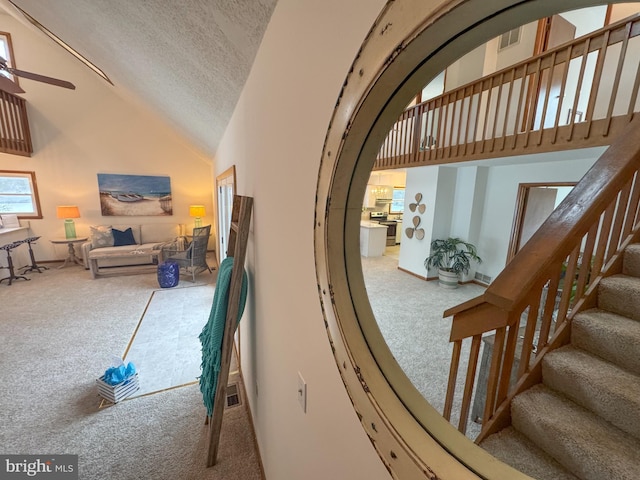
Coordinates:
<point>583,420</point>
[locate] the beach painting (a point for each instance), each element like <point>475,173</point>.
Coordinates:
<point>137,195</point>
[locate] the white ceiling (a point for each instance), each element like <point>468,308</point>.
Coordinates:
<point>187,60</point>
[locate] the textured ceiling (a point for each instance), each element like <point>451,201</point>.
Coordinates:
<point>188,60</point>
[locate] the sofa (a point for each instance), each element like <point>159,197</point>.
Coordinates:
<point>131,245</point>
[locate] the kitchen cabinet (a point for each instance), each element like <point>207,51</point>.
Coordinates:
<point>373,239</point>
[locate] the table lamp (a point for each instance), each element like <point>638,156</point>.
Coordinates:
<point>197,211</point>
<point>68,212</point>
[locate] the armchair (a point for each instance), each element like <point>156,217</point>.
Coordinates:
<point>194,258</point>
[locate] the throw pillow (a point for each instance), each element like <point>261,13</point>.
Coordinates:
<point>101,236</point>
<point>123,238</point>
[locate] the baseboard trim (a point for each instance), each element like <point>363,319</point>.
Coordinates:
<point>430,279</point>
<point>413,274</point>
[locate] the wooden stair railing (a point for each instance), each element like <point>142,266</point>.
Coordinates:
<point>15,137</point>
<point>580,94</point>
<point>529,306</point>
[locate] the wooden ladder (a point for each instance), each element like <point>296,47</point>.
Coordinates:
<point>237,248</point>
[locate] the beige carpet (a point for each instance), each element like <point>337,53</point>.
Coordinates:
<point>584,418</point>
<point>165,347</point>
<point>408,312</point>
<point>58,333</point>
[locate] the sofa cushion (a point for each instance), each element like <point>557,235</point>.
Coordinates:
<point>135,228</point>
<point>121,238</point>
<point>101,236</point>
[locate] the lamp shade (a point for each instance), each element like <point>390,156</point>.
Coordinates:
<point>196,211</point>
<point>68,211</point>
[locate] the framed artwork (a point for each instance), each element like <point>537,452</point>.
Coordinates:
<point>134,195</point>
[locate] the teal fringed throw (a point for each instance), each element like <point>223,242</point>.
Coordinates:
<point>213,331</point>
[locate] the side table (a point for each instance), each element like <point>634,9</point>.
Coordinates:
<point>71,256</point>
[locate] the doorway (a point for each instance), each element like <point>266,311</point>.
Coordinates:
<point>225,188</point>
<point>534,204</point>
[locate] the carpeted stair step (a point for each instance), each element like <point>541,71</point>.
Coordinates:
<point>631,262</point>
<point>597,385</point>
<point>516,450</point>
<point>608,335</point>
<point>582,442</point>
<point>620,294</point>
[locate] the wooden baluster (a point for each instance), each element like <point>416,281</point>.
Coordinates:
<point>567,287</point>
<point>576,99</point>
<point>3,119</point>
<point>634,95</point>
<point>469,383</point>
<point>15,121</point>
<point>417,132</point>
<point>621,211</point>
<point>509,355</point>
<point>494,371</point>
<point>532,110</point>
<point>584,272</point>
<point>442,126</point>
<point>432,138</point>
<point>452,123</point>
<point>476,121</point>
<point>460,117</point>
<point>596,83</point>
<point>616,82</point>
<point>529,334</point>
<point>547,95</point>
<point>549,308</point>
<point>453,376</point>
<point>508,108</point>
<point>486,115</point>
<point>521,104</point>
<point>563,84</point>
<point>632,211</point>
<point>495,117</point>
<point>600,257</point>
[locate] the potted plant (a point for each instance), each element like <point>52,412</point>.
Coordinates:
<point>451,256</point>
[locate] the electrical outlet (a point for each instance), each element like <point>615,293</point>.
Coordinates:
<point>302,393</point>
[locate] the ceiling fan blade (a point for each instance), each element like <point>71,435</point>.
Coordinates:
<point>42,78</point>
<point>9,86</point>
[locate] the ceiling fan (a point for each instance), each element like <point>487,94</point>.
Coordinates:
<point>11,87</point>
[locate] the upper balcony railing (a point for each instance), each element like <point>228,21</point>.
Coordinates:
<point>15,137</point>
<point>579,94</point>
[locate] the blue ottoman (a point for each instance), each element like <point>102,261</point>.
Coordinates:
<point>168,274</point>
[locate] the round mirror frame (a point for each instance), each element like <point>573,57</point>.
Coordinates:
<point>410,42</point>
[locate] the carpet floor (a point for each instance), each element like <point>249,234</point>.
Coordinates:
<point>408,311</point>
<point>58,333</point>
<point>165,347</point>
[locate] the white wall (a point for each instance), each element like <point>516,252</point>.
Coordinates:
<point>78,134</point>
<point>465,70</point>
<point>413,252</point>
<point>519,51</point>
<point>477,203</point>
<point>500,200</point>
<point>275,140</point>
<point>623,10</point>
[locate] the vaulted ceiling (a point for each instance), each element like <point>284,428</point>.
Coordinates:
<point>187,60</point>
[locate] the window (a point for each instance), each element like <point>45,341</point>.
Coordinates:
<point>397,204</point>
<point>509,38</point>
<point>19,194</point>
<point>6,52</point>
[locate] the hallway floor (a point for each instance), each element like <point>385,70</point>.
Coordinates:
<point>409,312</point>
